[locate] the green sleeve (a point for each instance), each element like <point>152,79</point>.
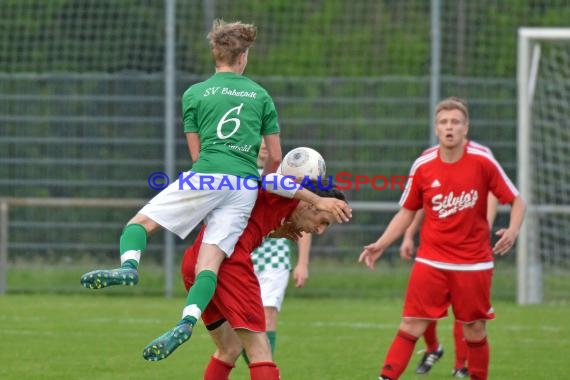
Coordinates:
<point>189,113</point>
<point>270,119</point>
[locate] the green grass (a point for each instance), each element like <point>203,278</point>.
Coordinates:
<point>338,327</point>
<point>94,335</point>
<point>328,278</point>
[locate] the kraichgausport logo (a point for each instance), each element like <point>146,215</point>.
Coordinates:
<point>342,181</point>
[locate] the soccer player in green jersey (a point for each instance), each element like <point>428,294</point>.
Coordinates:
<point>224,118</point>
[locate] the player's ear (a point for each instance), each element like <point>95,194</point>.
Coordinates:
<point>242,58</point>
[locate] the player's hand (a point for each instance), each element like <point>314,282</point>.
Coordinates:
<point>407,249</point>
<point>300,275</point>
<point>340,209</point>
<point>506,241</point>
<point>370,254</point>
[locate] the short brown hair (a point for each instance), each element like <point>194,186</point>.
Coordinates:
<point>229,40</point>
<point>453,103</point>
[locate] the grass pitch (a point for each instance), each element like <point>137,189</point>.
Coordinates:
<point>100,336</point>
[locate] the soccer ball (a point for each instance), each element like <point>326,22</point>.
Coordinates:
<point>303,162</point>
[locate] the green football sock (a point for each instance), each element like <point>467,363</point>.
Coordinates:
<point>272,336</point>
<point>131,244</point>
<point>200,295</point>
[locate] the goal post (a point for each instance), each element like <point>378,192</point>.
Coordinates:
<point>543,79</point>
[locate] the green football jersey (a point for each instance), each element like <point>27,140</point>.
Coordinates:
<point>230,112</point>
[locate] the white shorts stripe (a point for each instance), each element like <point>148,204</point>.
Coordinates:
<point>457,267</point>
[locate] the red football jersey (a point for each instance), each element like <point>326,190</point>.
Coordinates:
<point>268,214</point>
<point>454,199</point>
<point>238,298</point>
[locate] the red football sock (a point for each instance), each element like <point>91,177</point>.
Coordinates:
<point>460,346</point>
<point>398,355</point>
<point>478,359</point>
<point>217,370</point>
<point>430,337</point>
<point>263,371</point>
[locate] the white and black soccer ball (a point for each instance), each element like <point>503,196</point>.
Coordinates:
<point>302,163</point>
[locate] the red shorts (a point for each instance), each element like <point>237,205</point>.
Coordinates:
<point>432,290</point>
<point>237,298</point>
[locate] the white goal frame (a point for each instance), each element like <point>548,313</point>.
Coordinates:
<point>529,269</point>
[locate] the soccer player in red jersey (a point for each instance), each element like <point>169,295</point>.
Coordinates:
<point>235,317</point>
<point>434,350</point>
<point>454,263</point>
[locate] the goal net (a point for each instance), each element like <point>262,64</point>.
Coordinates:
<point>544,163</point>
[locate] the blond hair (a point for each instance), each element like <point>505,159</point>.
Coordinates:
<point>229,40</point>
<point>453,103</point>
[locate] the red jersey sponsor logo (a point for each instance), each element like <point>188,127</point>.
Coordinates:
<point>449,204</point>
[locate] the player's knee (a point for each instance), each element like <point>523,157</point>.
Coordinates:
<point>257,348</point>
<point>229,353</point>
<point>210,258</point>
<point>475,331</point>
<point>148,224</point>
<point>270,318</point>
<point>233,350</point>
<point>414,326</point>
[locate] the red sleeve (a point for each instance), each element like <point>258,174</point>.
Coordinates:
<point>412,196</point>
<point>500,184</point>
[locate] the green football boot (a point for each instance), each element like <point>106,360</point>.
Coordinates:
<point>163,346</point>
<point>102,278</point>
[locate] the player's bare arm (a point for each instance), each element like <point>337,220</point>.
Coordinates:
<point>492,204</point>
<point>340,209</point>
<point>508,236</point>
<point>286,187</point>
<point>301,271</point>
<point>274,153</point>
<point>407,247</point>
<point>193,141</point>
<point>395,229</point>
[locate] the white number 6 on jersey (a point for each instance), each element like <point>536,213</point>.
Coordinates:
<point>224,120</point>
